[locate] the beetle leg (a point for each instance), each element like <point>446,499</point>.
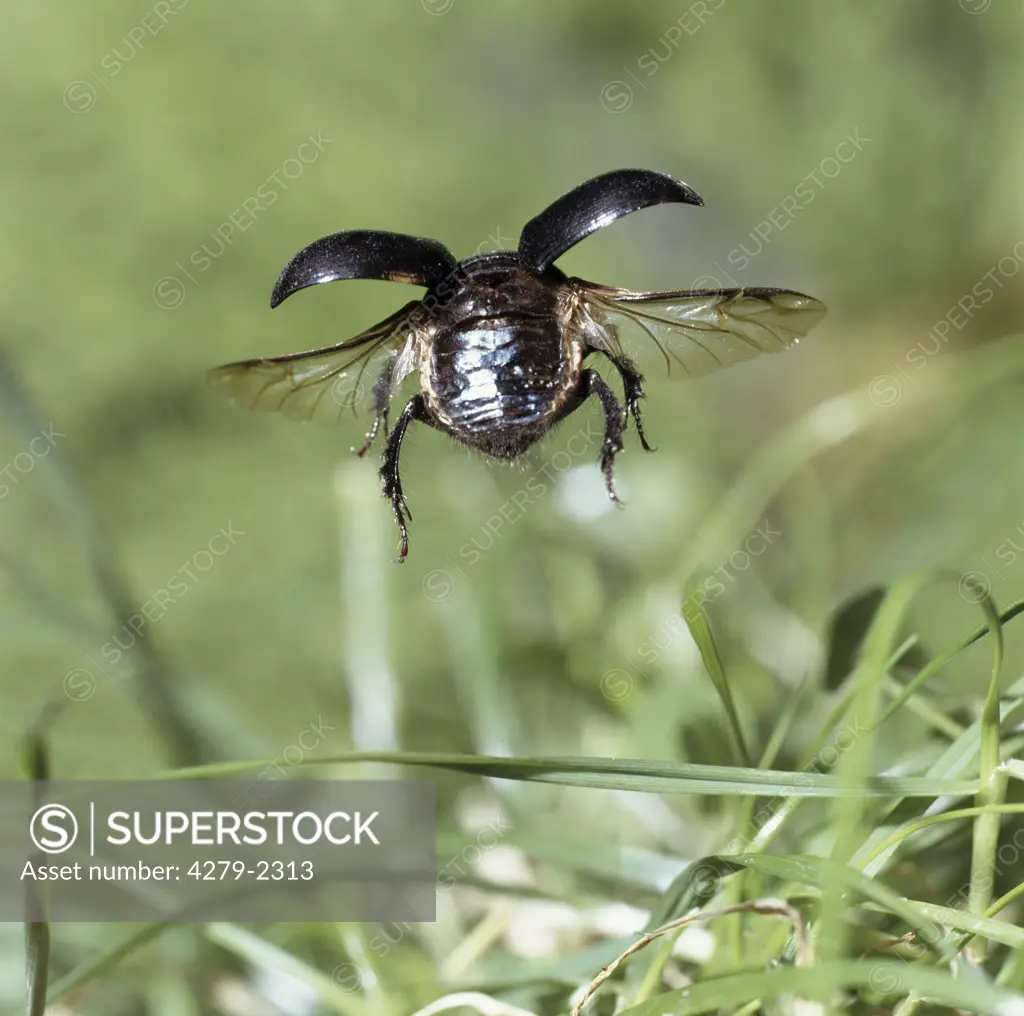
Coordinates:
<point>381,401</point>
<point>633,386</point>
<point>633,383</point>
<point>415,409</point>
<point>614,426</point>
<point>370,435</point>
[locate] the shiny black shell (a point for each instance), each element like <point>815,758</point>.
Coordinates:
<point>500,367</point>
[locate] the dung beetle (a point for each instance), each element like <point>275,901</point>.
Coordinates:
<point>500,339</point>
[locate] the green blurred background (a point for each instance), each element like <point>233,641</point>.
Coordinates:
<point>133,132</point>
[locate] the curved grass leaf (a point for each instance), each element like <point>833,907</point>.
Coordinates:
<point>699,882</point>
<point>821,982</point>
<point>643,775</point>
<point>909,828</point>
<point>823,873</point>
<point>934,666</point>
<point>986,927</point>
<point>700,630</point>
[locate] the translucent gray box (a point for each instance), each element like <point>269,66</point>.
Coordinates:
<point>217,850</point>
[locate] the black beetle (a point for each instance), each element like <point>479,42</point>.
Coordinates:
<point>500,339</point>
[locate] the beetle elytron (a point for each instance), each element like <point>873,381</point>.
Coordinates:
<point>500,340</point>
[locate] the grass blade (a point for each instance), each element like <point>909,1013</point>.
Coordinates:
<point>934,666</point>
<point>821,982</point>
<point>700,629</point>
<point>823,873</point>
<point>36,762</point>
<point>991,781</point>
<point>648,776</point>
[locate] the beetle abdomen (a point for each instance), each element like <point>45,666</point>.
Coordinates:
<point>496,383</point>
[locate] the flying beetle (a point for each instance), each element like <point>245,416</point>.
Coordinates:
<point>500,340</point>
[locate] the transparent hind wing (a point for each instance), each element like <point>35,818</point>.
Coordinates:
<point>327,385</point>
<point>698,331</point>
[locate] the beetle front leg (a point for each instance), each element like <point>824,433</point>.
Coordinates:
<point>415,409</point>
<point>614,426</point>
